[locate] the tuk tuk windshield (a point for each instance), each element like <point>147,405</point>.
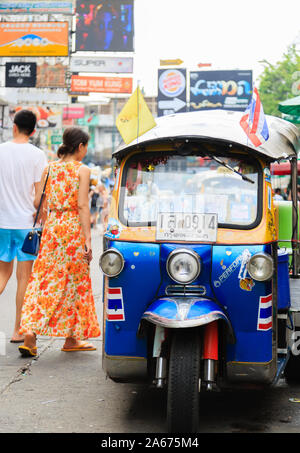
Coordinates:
<point>189,184</point>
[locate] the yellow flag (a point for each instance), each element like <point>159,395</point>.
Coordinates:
<point>135,118</point>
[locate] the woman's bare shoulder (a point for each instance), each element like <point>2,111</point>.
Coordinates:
<point>84,170</point>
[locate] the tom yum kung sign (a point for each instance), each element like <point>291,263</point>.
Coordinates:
<point>20,75</point>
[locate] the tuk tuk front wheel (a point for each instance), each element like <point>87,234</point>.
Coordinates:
<point>183,382</point>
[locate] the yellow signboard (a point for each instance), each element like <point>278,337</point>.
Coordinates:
<point>171,62</point>
<point>34,39</point>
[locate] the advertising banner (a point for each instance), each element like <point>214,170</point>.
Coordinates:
<point>34,39</point>
<point>171,91</point>
<point>36,7</point>
<point>73,112</point>
<point>102,64</point>
<point>228,90</point>
<point>51,76</point>
<point>101,84</point>
<point>104,25</point>
<point>47,116</point>
<point>20,75</point>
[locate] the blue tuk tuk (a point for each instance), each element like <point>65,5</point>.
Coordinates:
<point>200,291</point>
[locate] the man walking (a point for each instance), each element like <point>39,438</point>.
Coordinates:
<point>21,168</point>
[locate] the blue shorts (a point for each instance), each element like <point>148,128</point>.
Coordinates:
<point>11,242</point>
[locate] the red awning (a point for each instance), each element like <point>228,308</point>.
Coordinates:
<point>284,168</point>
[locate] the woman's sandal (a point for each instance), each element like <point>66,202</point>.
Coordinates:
<point>28,352</point>
<point>85,346</point>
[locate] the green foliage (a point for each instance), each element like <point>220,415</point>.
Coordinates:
<point>276,81</point>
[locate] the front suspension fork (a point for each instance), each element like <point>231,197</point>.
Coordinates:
<point>161,362</point>
<point>210,353</point>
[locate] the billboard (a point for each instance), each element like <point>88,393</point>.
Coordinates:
<point>73,112</point>
<point>21,75</point>
<point>47,116</point>
<point>101,84</point>
<point>36,7</point>
<point>102,64</point>
<point>171,91</point>
<point>228,90</point>
<point>34,39</point>
<point>51,76</point>
<point>105,25</point>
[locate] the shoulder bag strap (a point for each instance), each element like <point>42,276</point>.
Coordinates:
<point>41,200</point>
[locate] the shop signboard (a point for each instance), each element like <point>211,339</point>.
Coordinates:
<point>171,91</point>
<point>228,90</point>
<point>102,64</point>
<point>36,7</point>
<point>21,75</point>
<point>51,76</point>
<point>101,84</point>
<point>73,112</point>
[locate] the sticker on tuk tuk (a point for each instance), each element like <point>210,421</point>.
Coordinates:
<point>267,174</point>
<point>113,229</point>
<point>182,226</point>
<point>264,321</point>
<point>115,306</point>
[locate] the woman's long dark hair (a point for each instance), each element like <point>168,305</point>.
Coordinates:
<point>72,137</point>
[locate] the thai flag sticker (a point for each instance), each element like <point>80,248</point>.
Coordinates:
<point>264,321</point>
<point>115,307</point>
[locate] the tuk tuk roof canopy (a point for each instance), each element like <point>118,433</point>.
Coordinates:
<point>219,126</point>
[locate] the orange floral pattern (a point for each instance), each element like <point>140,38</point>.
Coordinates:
<point>59,300</point>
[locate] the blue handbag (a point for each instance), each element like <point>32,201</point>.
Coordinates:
<point>32,240</point>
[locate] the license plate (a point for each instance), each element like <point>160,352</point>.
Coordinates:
<point>186,227</point>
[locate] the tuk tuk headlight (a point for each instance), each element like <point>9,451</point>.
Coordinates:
<point>111,262</point>
<point>183,266</point>
<point>260,267</point>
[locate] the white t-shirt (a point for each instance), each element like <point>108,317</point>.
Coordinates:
<point>21,166</point>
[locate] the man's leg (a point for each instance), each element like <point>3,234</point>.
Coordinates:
<point>7,254</point>
<point>23,273</point>
<point>5,273</point>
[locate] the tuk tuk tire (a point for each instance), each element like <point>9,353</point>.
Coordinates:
<point>183,382</point>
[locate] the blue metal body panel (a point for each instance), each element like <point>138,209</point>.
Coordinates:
<point>284,296</point>
<point>242,302</point>
<point>139,281</point>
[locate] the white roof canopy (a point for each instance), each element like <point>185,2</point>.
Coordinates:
<point>219,126</point>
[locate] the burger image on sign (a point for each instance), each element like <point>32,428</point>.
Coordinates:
<point>171,83</point>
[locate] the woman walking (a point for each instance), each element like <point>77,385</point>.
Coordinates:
<point>59,300</point>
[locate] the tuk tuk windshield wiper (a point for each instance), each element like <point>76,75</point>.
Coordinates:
<point>221,162</point>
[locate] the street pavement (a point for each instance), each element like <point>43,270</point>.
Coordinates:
<point>60,392</point>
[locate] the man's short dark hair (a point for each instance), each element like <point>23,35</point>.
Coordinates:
<point>25,120</point>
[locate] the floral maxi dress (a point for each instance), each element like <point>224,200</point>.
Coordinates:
<point>59,300</point>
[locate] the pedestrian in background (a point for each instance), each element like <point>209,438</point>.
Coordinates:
<point>278,195</point>
<point>21,168</point>
<point>59,300</point>
<point>94,196</point>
